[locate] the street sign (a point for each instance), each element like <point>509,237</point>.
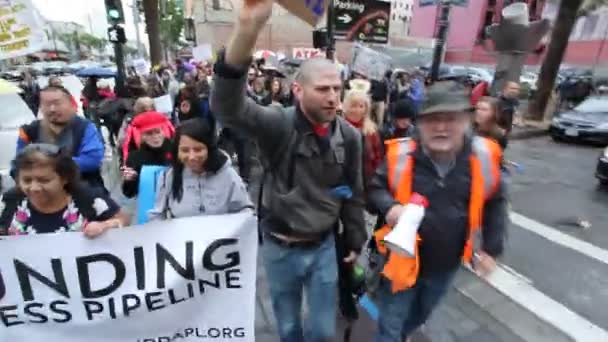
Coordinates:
<point>461,3</point>
<point>362,20</point>
<point>116,34</point>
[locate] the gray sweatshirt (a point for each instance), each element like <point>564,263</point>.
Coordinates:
<point>217,193</point>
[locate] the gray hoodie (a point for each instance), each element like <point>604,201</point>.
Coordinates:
<point>217,193</point>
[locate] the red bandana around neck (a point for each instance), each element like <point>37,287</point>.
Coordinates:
<point>356,124</point>
<point>320,130</point>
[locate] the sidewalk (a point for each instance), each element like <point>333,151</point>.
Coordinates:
<point>530,129</point>
<point>472,312</point>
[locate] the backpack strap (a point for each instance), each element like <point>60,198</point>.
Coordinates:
<point>79,127</point>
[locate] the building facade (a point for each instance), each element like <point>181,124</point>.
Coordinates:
<point>467,26</point>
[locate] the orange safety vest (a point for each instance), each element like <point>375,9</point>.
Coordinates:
<point>485,161</point>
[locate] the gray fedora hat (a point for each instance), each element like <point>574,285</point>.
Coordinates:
<point>445,96</point>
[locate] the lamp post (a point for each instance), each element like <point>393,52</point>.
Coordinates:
<point>443,25</point>
<point>331,42</point>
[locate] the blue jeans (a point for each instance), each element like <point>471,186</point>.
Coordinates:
<point>290,271</point>
<point>401,313</point>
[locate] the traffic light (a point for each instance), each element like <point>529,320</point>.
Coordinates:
<point>114,12</point>
<point>116,34</point>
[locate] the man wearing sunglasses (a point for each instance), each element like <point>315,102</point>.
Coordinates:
<point>61,126</point>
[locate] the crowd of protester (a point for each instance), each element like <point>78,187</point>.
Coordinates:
<point>58,164</point>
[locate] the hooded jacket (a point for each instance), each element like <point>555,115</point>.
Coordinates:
<point>210,193</point>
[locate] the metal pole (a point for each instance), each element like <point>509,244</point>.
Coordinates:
<point>331,43</point>
<point>442,32</point>
<point>119,59</point>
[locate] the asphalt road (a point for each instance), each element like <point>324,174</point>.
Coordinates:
<point>557,188</point>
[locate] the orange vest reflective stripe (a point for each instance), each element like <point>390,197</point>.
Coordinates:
<point>485,161</point>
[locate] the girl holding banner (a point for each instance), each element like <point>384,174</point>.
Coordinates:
<point>201,180</point>
<point>49,197</point>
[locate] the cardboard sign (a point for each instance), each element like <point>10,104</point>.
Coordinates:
<point>202,52</point>
<point>369,63</point>
<point>311,11</point>
<point>142,67</point>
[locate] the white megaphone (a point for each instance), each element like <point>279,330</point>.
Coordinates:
<point>402,239</point>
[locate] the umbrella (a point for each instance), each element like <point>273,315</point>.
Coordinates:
<point>263,54</point>
<point>292,62</point>
<point>7,87</point>
<point>272,71</point>
<point>96,72</point>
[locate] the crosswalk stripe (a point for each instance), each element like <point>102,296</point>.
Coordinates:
<point>560,238</point>
<point>545,308</point>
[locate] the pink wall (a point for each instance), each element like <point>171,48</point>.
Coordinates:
<point>463,30</point>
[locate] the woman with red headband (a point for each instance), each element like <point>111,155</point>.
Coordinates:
<point>152,132</point>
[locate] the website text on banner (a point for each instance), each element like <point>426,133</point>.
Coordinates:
<point>21,29</point>
<point>181,280</point>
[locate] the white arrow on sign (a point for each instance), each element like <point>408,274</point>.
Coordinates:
<point>345,18</point>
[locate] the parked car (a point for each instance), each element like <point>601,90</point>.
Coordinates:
<point>601,172</point>
<point>529,79</point>
<point>475,74</point>
<point>588,121</point>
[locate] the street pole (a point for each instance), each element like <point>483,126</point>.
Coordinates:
<point>331,43</point>
<point>119,59</point>
<point>442,33</point>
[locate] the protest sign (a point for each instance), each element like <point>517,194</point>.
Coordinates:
<point>306,53</point>
<point>141,67</point>
<point>311,11</point>
<point>147,190</point>
<point>369,63</point>
<point>202,52</point>
<point>21,29</point>
<point>185,280</point>
<point>164,104</point>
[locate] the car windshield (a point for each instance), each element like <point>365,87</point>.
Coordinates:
<point>593,105</point>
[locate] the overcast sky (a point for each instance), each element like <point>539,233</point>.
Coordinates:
<point>90,13</point>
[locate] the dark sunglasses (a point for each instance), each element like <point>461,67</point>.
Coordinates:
<point>48,149</point>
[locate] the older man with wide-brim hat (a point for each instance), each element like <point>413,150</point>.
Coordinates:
<point>444,119</point>
<point>458,176</point>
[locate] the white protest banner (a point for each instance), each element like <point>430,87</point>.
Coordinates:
<point>369,63</point>
<point>21,29</point>
<point>202,52</point>
<point>306,53</point>
<point>182,280</point>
